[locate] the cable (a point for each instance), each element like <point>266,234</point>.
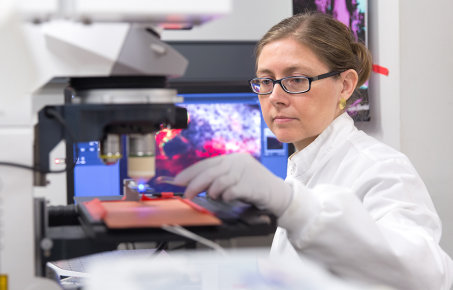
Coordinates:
<point>54,113</point>
<point>175,229</point>
<point>11,164</point>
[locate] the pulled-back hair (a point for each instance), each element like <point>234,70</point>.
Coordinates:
<point>331,40</point>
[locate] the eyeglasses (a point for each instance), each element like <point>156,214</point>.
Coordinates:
<point>291,85</point>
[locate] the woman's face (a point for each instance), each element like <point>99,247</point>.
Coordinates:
<point>298,118</point>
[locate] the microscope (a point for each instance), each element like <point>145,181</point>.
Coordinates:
<point>95,110</point>
<point>116,68</point>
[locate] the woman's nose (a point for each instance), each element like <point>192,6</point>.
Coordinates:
<point>279,96</point>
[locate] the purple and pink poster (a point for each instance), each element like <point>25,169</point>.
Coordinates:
<point>352,13</point>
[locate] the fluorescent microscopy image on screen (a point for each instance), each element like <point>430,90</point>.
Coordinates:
<point>213,129</point>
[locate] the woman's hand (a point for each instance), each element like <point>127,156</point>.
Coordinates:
<point>236,176</point>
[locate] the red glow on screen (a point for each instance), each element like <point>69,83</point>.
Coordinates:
<point>213,129</point>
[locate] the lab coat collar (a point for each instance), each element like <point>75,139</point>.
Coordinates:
<point>303,163</point>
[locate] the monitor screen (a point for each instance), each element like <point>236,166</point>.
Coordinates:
<point>213,129</point>
<point>218,124</point>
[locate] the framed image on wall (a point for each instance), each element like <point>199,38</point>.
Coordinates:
<point>352,13</point>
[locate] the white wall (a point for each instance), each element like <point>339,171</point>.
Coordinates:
<point>426,57</point>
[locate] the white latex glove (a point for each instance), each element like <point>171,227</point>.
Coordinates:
<point>236,176</point>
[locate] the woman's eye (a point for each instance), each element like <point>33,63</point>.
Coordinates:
<point>296,80</point>
<point>266,82</point>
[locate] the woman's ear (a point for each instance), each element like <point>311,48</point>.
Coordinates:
<point>349,79</point>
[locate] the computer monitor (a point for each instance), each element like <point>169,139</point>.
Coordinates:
<point>218,124</point>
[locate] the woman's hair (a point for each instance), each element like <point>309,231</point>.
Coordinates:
<point>331,40</point>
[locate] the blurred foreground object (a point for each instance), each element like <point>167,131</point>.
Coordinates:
<point>241,269</point>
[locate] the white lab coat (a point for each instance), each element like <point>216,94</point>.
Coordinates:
<point>360,209</point>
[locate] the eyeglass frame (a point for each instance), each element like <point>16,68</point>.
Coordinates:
<point>310,80</point>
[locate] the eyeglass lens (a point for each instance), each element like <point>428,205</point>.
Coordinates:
<point>290,84</point>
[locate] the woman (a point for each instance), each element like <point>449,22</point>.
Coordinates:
<point>349,202</point>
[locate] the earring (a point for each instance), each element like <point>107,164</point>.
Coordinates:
<point>342,104</point>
